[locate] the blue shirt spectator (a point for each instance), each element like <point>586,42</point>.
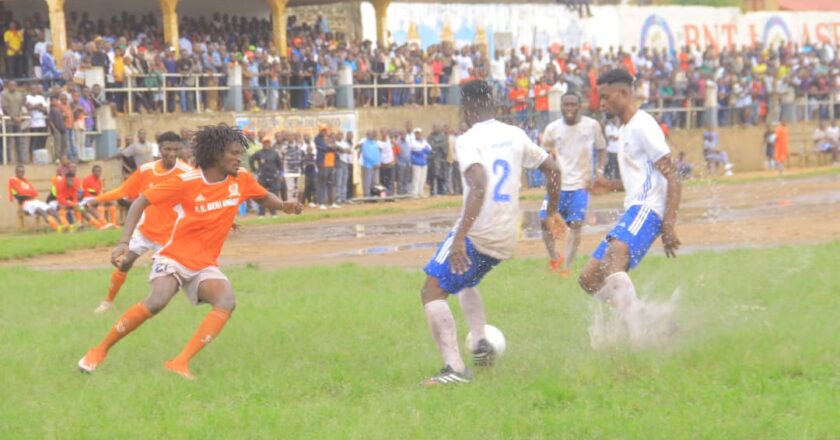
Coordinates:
<point>370,153</point>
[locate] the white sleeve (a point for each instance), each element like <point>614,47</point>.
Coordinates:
<point>652,140</point>
<point>532,155</point>
<point>466,154</point>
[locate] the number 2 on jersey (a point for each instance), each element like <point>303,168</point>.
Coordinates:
<point>505,169</point>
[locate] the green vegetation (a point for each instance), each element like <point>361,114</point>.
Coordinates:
<point>30,245</point>
<point>338,352</point>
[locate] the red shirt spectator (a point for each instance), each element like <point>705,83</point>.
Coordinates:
<point>21,189</point>
<point>67,191</point>
<point>92,186</point>
<point>541,96</point>
<point>518,95</point>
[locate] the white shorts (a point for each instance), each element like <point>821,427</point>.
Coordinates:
<point>30,207</point>
<point>53,204</point>
<point>188,279</point>
<point>87,200</point>
<point>140,244</point>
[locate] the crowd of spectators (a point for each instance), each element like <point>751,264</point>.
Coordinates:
<point>746,85</point>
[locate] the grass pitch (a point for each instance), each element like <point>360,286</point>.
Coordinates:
<point>339,352</point>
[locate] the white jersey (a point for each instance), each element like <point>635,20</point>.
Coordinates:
<point>611,132</point>
<point>573,144</point>
<point>641,144</point>
<point>502,150</point>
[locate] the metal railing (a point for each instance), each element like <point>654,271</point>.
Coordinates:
<point>6,135</point>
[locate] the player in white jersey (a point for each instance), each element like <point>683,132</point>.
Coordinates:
<point>570,141</point>
<point>491,156</point>
<point>653,189</point>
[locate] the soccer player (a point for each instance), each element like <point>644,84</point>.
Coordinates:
<point>92,187</point>
<point>207,200</point>
<point>156,225</point>
<point>25,194</point>
<point>570,141</point>
<point>652,185</point>
<point>491,156</point>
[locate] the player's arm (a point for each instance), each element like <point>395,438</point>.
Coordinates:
<point>601,148</point>
<point>131,221</point>
<point>270,201</point>
<point>477,183</point>
<point>668,169</point>
<point>554,222</point>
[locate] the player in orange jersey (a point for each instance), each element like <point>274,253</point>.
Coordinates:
<point>92,187</point>
<point>207,200</point>
<point>25,194</point>
<point>156,224</point>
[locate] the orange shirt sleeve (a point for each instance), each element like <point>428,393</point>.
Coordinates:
<point>249,187</point>
<point>168,192</point>
<point>129,188</point>
<point>11,190</point>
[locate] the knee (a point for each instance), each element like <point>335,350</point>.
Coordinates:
<point>156,302</point>
<point>227,302</point>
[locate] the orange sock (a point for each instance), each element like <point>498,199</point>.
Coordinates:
<point>130,320</point>
<point>112,212</point>
<point>62,216</point>
<point>101,211</point>
<point>207,331</point>
<point>53,224</point>
<point>117,280</point>
<point>96,222</point>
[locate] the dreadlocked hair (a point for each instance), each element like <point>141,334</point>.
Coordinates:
<point>209,143</point>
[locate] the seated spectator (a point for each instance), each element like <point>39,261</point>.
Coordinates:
<point>684,168</point>
<point>715,158</point>
<point>823,143</point>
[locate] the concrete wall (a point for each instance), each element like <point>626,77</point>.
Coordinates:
<point>40,175</point>
<point>745,145</point>
<point>396,117</point>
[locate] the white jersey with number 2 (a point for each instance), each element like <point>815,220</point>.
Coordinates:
<point>502,150</point>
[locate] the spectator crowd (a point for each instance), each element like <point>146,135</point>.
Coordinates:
<point>728,85</point>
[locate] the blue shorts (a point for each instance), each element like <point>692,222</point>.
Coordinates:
<point>638,228</point>
<point>572,205</point>
<point>438,267</point>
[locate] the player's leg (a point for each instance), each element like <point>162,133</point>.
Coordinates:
<point>163,288</point>
<point>442,325</point>
<point>574,213</point>
<point>43,212</point>
<point>473,308</point>
<point>218,293</point>
<point>555,262</point>
<point>118,277</point>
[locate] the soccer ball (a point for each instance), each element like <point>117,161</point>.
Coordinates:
<point>494,337</point>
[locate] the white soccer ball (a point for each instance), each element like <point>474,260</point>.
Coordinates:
<point>494,336</point>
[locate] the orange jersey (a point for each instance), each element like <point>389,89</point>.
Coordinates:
<point>205,214</point>
<point>91,186</point>
<point>65,194</point>
<point>157,221</point>
<point>21,189</point>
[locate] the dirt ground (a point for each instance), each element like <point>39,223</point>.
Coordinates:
<point>713,216</point>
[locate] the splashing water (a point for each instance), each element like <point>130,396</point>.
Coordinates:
<point>649,325</point>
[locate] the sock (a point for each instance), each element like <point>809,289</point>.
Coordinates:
<point>442,324</point>
<point>112,212</point>
<point>207,331</point>
<point>62,216</point>
<point>130,320</point>
<point>618,291</point>
<point>100,210</point>
<point>549,244</point>
<point>51,221</point>
<point>117,280</point>
<point>473,309</point>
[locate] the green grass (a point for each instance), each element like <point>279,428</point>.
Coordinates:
<point>30,245</point>
<point>338,352</point>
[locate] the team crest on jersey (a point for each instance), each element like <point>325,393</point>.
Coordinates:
<point>233,190</point>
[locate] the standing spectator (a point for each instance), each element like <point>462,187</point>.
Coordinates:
<point>403,164</point>
<point>420,151</point>
<point>67,115</point>
<point>344,147</point>
<point>310,173</point>
<point>267,164</point>
<point>781,146</point>
<point>138,153</point>
<point>325,160</point>
<point>439,167</point>
<point>15,61</point>
<point>454,177</point>
<point>58,127</point>
<point>387,163</point>
<point>371,154</point>
<point>611,132</point>
<point>769,148</point>
<point>713,155</point>
<point>292,162</point>
<point>12,105</point>
<point>37,106</point>
<point>684,168</point>
<point>48,70</point>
